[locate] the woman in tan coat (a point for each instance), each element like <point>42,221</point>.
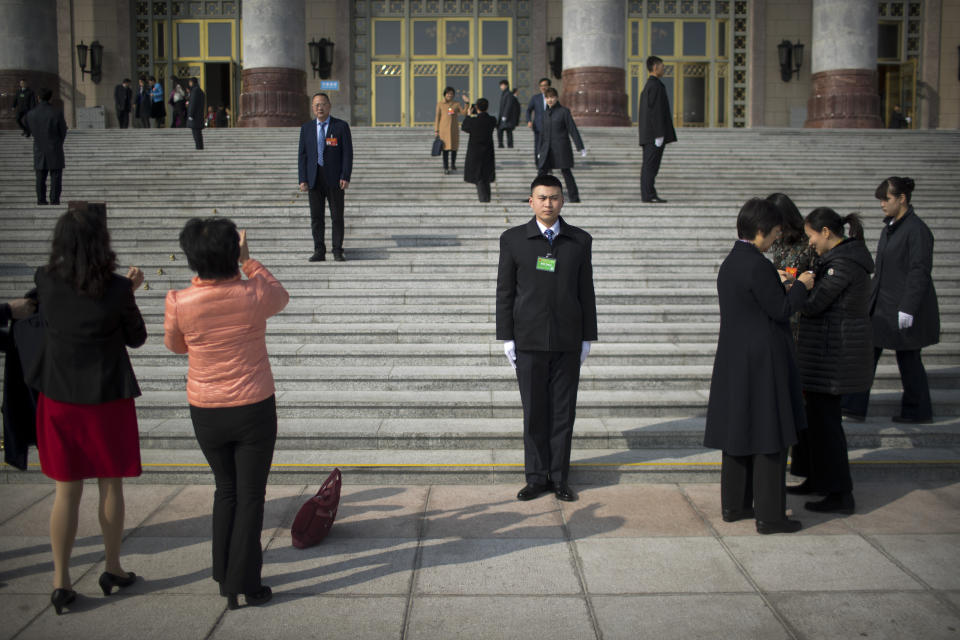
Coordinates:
<point>446,126</point>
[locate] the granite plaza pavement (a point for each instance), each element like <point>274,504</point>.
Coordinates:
<point>454,561</point>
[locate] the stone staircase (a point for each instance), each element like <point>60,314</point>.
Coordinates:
<point>387,365</point>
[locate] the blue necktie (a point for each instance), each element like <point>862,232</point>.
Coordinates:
<point>321,140</point>
<point>549,234</point>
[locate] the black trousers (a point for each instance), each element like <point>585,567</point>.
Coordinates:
<point>915,401</point>
<point>573,193</point>
<point>483,191</point>
<point>509,133</point>
<point>123,117</point>
<point>319,194</point>
<point>548,390</point>
<point>826,444</point>
<point>56,185</point>
<point>450,159</point>
<point>22,122</point>
<point>755,481</point>
<point>197,137</point>
<point>238,444</point>
<point>144,118</point>
<point>652,155</point>
<point>536,145</point>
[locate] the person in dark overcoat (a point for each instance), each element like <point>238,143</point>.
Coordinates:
<point>903,302</point>
<point>19,401</point>
<point>480,167</point>
<point>556,129</point>
<point>142,103</point>
<point>508,114</point>
<point>196,112</point>
<point>755,408</point>
<point>655,126</point>
<point>49,131</point>
<point>546,314</point>
<point>23,102</point>
<point>122,97</point>
<point>834,353</point>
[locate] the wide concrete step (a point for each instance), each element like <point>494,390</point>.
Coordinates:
<point>588,466</point>
<point>498,404</point>
<point>326,380</point>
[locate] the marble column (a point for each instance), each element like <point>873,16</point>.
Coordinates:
<point>274,63</point>
<point>843,65</point>
<point>28,51</point>
<point>594,77</point>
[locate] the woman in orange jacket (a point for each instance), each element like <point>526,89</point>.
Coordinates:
<point>220,321</point>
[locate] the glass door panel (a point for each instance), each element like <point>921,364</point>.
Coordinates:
<point>425,37</point>
<point>693,95</point>
<point>491,73</point>
<point>459,75</point>
<point>458,37</point>
<point>388,94</point>
<point>425,93</point>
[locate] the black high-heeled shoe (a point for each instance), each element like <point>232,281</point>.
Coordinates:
<point>61,598</point>
<point>109,580</point>
<point>262,595</point>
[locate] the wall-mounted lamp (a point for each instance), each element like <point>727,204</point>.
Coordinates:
<point>555,54</point>
<point>321,57</point>
<point>791,58</point>
<point>96,60</point>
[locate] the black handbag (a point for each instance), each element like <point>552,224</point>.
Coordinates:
<point>437,146</point>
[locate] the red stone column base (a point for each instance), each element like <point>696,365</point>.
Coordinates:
<point>595,96</point>
<point>844,99</point>
<point>10,85</point>
<point>273,97</point>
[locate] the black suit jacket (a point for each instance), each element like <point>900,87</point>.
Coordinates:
<point>556,129</point>
<point>337,158</point>
<point>535,107</point>
<point>84,359</point>
<point>539,310</point>
<point>197,111</point>
<point>654,118</point>
<point>122,96</point>
<point>49,130</point>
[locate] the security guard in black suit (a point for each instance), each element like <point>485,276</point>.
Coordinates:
<point>547,316</point>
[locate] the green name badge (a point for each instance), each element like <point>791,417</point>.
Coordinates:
<point>547,264</point>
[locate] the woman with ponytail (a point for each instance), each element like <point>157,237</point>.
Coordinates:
<point>903,304</point>
<point>834,352</point>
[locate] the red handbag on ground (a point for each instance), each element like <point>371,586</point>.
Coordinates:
<point>316,516</point>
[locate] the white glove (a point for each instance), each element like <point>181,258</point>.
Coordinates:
<point>584,351</point>
<point>659,141</point>
<point>510,350</point>
<point>583,152</point>
<point>504,118</point>
<point>905,320</point>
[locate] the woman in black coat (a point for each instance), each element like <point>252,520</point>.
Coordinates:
<point>480,167</point>
<point>86,418</point>
<point>556,130</point>
<point>756,408</point>
<point>834,353</point>
<point>903,303</point>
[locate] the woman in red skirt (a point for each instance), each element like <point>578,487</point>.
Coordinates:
<point>86,420</point>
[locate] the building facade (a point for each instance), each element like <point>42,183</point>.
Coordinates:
<point>726,60</point>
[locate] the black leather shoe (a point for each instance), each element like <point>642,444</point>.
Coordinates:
<point>781,526</point>
<point>802,489</point>
<point>339,257</point>
<point>42,202</point>
<point>655,199</point>
<point>531,491</point>
<point>833,503</point>
<point>563,492</point>
<point>263,595</point>
<point>108,581</point>
<point>732,515</point>
<point>318,257</point>
<point>574,200</point>
<point>906,420</point>
<point>61,598</point>
<point>850,415</point>
<point>54,202</point>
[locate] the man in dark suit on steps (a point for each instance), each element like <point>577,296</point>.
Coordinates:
<point>546,315</point>
<point>655,122</point>
<point>49,130</point>
<point>324,163</point>
<point>196,112</point>
<point>535,109</point>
